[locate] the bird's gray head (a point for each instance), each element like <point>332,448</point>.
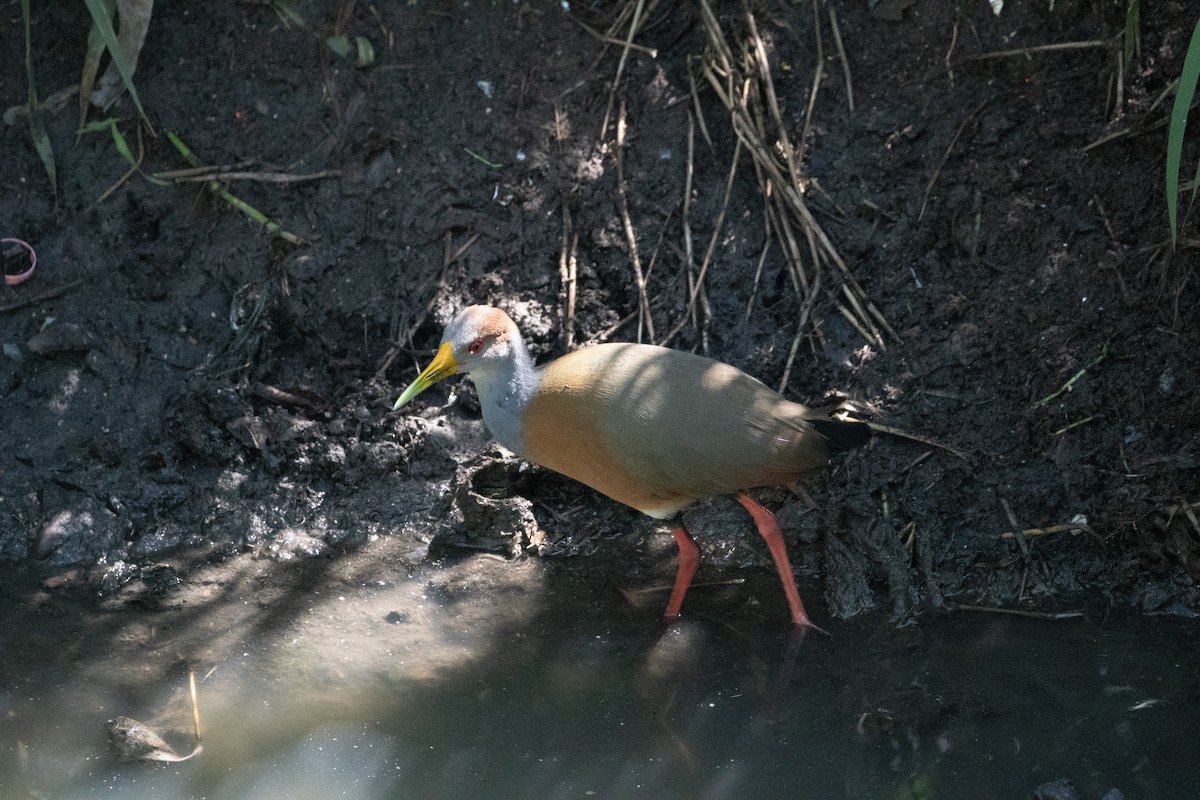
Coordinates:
<point>481,340</point>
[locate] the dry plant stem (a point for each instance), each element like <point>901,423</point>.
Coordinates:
<point>950,52</point>
<point>746,92</point>
<point>644,318</point>
<point>1026,554</point>
<point>1070,527</point>
<point>916,437</point>
<point>818,74</point>
<point>1120,81</point>
<point>698,289</point>
<point>699,113</point>
<point>801,327</point>
<point>195,703</point>
<point>606,334</point>
<point>658,243</point>
<point>1018,612</point>
<point>215,173</point>
<point>762,259</point>
<point>776,221</point>
<point>792,156</point>
<point>568,269</point>
<point>837,40</point>
<point>1187,510</point>
<point>1112,236</point>
<point>41,298</point>
<point>650,51</point>
<point>636,23</point>
<point>688,247</point>
<point>612,32</point>
<point>133,169</point>
<point>946,155</point>
<point>1077,423</point>
<point>1124,133</point>
<point>1028,51</point>
<point>208,171</point>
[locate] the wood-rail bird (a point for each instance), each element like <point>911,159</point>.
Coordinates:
<point>654,428</point>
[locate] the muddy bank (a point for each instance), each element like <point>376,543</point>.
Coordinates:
<point>200,393</point>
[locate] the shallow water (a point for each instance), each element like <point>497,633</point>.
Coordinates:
<point>482,679</point>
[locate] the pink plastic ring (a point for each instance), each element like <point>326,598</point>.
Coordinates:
<point>13,280</point>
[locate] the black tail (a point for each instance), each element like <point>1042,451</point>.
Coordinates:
<point>842,435</point>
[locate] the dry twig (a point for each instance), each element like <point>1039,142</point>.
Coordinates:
<point>744,86</point>
<point>634,25</point>
<point>916,437</point>
<point>644,317</point>
<point>568,268</point>
<point>837,40</point>
<point>698,287</point>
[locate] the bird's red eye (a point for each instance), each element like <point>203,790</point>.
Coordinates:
<point>474,347</point>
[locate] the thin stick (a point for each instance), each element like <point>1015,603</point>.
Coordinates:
<point>950,51</point>
<point>762,259</point>
<point>625,320</point>
<point>650,51</point>
<point>712,242</point>
<point>1018,612</point>
<point>747,92</point>
<point>1077,423</point>
<point>837,40</point>
<point>133,169</point>
<point>688,247</point>
<point>262,177</point>
<point>1069,527</point>
<point>644,317</point>
<point>50,295</point>
<point>1043,48</point>
<point>801,327</point>
<point>195,703</point>
<point>628,44</point>
<point>171,174</point>
<point>618,21</point>
<point>699,113</point>
<point>1191,515</point>
<point>567,264</point>
<point>916,437</point>
<point>938,169</point>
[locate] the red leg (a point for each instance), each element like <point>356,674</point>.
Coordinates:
<point>769,529</point>
<point>689,558</point>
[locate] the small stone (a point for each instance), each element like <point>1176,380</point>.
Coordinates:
<point>62,337</point>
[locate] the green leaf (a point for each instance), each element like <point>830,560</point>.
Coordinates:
<point>103,20</point>
<point>91,64</point>
<point>340,45</point>
<point>37,131</point>
<point>1179,114</point>
<point>1132,35</point>
<point>288,14</point>
<point>366,53</point>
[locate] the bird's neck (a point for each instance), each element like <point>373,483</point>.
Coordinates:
<point>504,393</point>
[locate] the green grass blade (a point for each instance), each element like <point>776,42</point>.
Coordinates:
<point>232,199</point>
<point>288,13</point>
<point>37,131</point>
<point>1179,114</point>
<point>366,52</point>
<point>91,66</point>
<point>340,45</point>
<point>1133,24</point>
<point>103,20</point>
